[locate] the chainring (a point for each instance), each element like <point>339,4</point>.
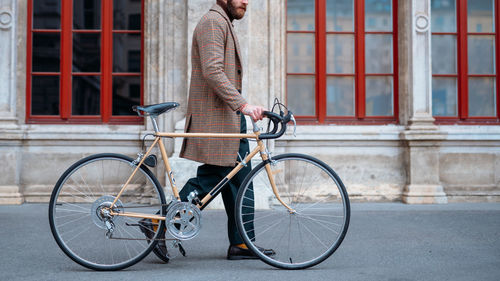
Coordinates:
<point>183,220</point>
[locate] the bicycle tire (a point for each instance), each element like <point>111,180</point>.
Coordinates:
<point>299,239</point>
<point>93,182</point>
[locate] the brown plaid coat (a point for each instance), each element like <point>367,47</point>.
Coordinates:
<point>213,95</point>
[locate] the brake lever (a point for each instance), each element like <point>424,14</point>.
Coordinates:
<point>255,126</point>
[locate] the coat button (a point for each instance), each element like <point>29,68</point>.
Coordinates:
<point>239,71</point>
<point>238,112</point>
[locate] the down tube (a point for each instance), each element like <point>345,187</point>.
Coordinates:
<point>218,188</point>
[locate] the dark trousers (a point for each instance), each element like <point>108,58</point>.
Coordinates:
<point>208,176</point>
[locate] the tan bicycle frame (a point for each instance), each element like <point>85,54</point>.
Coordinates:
<point>216,190</point>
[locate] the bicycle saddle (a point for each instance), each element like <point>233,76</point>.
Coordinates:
<point>155,109</point>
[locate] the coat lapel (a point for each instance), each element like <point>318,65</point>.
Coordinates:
<point>219,10</point>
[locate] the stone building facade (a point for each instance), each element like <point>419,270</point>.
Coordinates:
<point>414,159</point>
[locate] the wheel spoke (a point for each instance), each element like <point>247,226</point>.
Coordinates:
<point>73,211</point>
<point>315,236</point>
<point>316,215</point>
<point>74,205</point>
<point>309,207</point>
<point>87,185</point>
<point>85,196</point>
<point>74,220</point>
<point>272,225</point>
<point>320,223</point>
<point>78,227</point>
<point>78,234</point>
<point>125,245</point>
<point>259,218</point>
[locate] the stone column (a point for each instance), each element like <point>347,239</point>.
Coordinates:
<point>8,55</point>
<point>165,63</point>
<point>421,136</point>
<point>9,150</point>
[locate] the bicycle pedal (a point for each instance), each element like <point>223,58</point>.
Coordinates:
<point>181,250</point>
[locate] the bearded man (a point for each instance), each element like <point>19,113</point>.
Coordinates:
<point>215,106</point>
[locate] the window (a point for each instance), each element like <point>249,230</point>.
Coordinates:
<point>84,61</point>
<point>465,59</point>
<point>342,61</point>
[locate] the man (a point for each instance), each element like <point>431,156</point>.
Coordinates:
<point>215,106</point>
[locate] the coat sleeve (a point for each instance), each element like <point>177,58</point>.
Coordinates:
<point>210,36</point>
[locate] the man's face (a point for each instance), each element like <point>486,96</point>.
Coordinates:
<point>237,8</point>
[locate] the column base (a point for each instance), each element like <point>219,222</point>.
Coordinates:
<point>10,195</point>
<point>424,194</point>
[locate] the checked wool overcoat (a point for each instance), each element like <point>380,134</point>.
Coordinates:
<point>214,94</point>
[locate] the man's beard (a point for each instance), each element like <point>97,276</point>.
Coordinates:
<point>235,13</point>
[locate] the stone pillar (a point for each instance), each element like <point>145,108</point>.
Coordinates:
<point>422,165</point>
<point>421,136</point>
<point>8,53</point>
<point>9,151</point>
<point>165,63</point>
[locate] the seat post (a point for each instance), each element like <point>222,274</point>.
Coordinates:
<point>155,123</point>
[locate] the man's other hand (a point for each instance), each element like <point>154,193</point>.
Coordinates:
<point>253,111</point>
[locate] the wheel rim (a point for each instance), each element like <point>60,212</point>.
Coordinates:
<point>82,234</point>
<point>308,234</point>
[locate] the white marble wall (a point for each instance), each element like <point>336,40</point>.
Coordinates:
<point>416,161</point>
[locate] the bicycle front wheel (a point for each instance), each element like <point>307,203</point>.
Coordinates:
<point>313,226</point>
<point>78,212</point>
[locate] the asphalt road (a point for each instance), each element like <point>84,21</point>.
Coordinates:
<point>385,242</point>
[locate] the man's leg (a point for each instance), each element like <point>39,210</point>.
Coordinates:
<point>230,193</point>
<point>207,177</point>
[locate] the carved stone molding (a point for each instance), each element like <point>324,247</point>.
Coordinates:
<point>422,23</point>
<point>5,19</point>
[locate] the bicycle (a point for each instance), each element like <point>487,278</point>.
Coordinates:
<point>292,203</point>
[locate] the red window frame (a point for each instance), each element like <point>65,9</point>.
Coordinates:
<point>462,70</point>
<point>359,62</point>
<point>65,72</point>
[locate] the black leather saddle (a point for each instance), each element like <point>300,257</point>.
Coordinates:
<point>155,109</point>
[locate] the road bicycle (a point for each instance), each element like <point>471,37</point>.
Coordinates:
<point>291,203</point>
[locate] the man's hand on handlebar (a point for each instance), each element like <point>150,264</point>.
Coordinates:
<point>253,111</point>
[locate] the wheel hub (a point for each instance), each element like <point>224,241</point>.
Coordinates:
<point>100,211</point>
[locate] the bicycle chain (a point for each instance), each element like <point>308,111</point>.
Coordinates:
<point>177,241</point>
<point>142,239</point>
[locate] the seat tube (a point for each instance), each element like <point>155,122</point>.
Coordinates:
<point>169,171</point>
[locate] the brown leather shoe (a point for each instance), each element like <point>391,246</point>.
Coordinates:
<point>238,253</point>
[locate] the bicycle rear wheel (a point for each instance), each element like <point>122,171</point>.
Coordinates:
<point>80,227</point>
<point>315,227</point>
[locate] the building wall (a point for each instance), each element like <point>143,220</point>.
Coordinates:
<point>415,161</point>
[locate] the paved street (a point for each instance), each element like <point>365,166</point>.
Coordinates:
<point>388,241</point>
